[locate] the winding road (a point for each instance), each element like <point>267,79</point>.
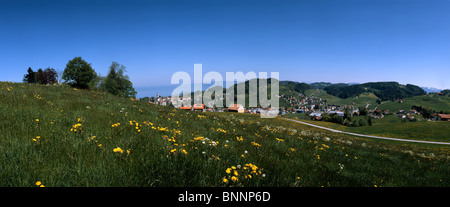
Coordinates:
<point>369,136</point>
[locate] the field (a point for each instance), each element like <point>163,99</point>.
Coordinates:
<point>391,126</point>
<point>438,103</point>
<point>54,135</point>
<point>358,101</point>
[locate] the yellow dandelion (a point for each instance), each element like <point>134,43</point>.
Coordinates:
<point>234,179</point>
<point>228,170</point>
<point>225,180</point>
<point>118,149</point>
<point>38,183</point>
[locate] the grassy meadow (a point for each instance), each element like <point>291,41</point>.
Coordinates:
<point>55,135</point>
<point>391,126</point>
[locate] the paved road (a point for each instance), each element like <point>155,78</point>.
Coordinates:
<point>369,136</point>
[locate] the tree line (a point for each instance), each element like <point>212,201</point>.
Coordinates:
<point>80,74</point>
<point>47,76</point>
<point>383,90</point>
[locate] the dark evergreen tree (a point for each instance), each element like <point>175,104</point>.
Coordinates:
<point>30,77</point>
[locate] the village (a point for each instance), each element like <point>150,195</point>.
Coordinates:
<point>311,106</point>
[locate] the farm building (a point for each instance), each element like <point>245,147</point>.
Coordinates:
<point>236,108</point>
<point>199,107</point>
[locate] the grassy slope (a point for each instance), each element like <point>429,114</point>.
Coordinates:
<point>391,126</point>
<point>435,103</point>
<point>358,101</point>
<point>159,148</point>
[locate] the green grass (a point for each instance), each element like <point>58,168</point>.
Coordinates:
<point>358,101</point>
<point>438,103</point>
<point>162,146</point>
<point>392,126</point>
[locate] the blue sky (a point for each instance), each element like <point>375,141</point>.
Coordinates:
<point>407,41</point>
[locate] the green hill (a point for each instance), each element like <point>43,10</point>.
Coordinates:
<point>383,90</point>
<point>436,103</point>
<point>55,135</point>
<point>360,100</point>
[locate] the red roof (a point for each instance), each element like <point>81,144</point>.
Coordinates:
<point>234,107</point>
<point>199,106</point>
<point>444,116</point>
<point>185,107</point>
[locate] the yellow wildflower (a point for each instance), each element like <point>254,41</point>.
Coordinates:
<point>279,140</point>
<point>118,149</point>
<point>228,170</point>
<point>234,178</point>
<point>255,144</point>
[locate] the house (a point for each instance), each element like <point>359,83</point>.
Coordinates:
<point>401,112</point>
<point>199,107</point>
<point>440,117</point>
<point>185,108</point>
<point>300,111</point>
<point>339,113</point>
<point>236,108</point>
<point>413,111</point>
<point>444,117</point>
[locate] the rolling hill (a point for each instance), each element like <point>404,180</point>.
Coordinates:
<point>55,135</point>
<point>383,90</point>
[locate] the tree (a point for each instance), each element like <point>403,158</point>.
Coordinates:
<point>363,111</point>
<point>79,73</point>
<point>50,76</point>
<point>40,76</point>
<point>30,77</point>
<point>117,83</point>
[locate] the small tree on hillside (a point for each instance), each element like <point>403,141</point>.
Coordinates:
<point>30,77</point>
<point>117,83</point>
<point>40,76</point>
<point>79,73</point>
<point>51,76</point>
